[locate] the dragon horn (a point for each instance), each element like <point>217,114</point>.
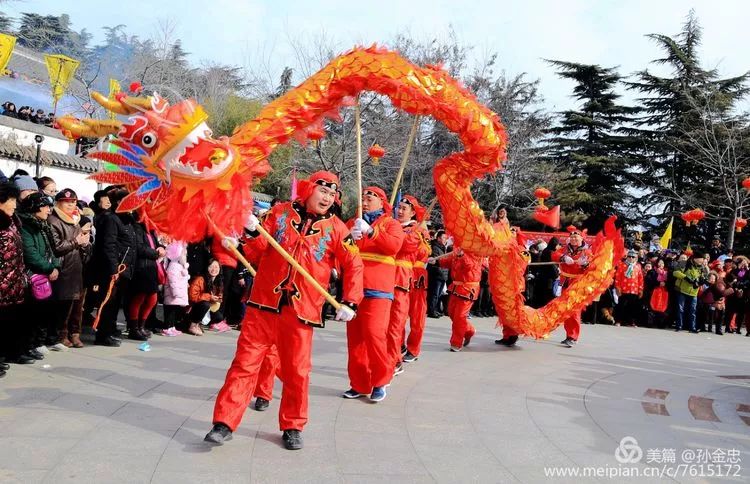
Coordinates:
<point>126,105</point>
<point>89,128</point>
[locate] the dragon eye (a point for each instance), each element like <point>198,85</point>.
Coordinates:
<point>149,140</point>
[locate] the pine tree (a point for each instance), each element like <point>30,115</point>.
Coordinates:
<point>6,23</point>
<point>669,175</point>
<point>588,141</point>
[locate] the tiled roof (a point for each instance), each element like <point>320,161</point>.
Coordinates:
<point>27,154</point>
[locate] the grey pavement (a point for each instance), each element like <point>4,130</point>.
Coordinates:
<point>486,414</point>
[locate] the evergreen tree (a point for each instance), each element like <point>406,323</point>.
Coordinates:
<point>588,141</point>
<point>6,23</point>
<point>669,175</point>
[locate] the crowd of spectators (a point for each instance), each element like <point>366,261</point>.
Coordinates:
<point>27,113</point>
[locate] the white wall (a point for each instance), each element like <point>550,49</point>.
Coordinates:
<point>26,138</point>
<point>63,178</point>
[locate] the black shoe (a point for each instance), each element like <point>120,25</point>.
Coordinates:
<point>433,315</point>
<point>117,334</point>
<point>719,333</point>
<point>404,350</point>
<point>37,355</point>
<point>137,335</point>
<point>107,341</point>
<point>409,358</point>
<point>509,342</point>
<point>2,373</point>
<point>4,366</point>
<point>219,434</point>
<point>147,333</point>
<point>23,360</point>
<point>261,404</point>
<point>292,439</point>
<point>694,331</point>
<point>399,369</point>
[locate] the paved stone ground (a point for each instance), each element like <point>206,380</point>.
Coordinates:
<point>487,414</point>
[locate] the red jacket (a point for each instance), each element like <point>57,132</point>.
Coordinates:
<point>221,254</point>
<point>632,284</point>
<point>317,243</point>
<point>419,274</point>
<point>411,250</point>
<point>378,252</point>
<point>571,271</point>
<point>466,272</point>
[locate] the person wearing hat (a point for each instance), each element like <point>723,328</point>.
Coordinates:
<point>465,272</point>
<point>573,259</point>
<point>284,308</point>
<point>409,214</point>
<point>39,257</point>
<point>74,249</point>
<point>418,293</point>
<point>629,288</point>
<point>13,280</point>
<point>25,184</point>
<point>379,238</point>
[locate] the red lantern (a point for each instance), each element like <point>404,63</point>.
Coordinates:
<point>376,152</point>
<point>698,215</point>
<point>746,184</point>
<point>315,135</point>
<point>541,195</point>
<point>687,217</point>
<point>740,224</point>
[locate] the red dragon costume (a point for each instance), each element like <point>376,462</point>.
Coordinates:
<point>167,158</point>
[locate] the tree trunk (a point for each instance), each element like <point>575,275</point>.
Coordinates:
<point>730,231</point>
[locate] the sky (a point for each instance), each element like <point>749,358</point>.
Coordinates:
<point>522,33</point>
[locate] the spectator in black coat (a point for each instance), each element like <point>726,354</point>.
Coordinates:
<point>437,277</point>
<point>115,245</point>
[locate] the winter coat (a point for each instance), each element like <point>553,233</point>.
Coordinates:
<point>13,279</point>
<point>198,292</point>
<point>436,272</point>
<point>688,280</point>
<point>176,288</point>
<point>115,244</point>
<point>38,244</point>
<point>73,257</point>
<point>145,276</point>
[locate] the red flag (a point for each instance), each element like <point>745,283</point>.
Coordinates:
<point>549,217</point>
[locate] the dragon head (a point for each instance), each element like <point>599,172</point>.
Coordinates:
<point>172,166</point>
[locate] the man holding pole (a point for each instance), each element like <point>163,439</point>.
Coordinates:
<point>285,303</point>
<point>379,238</point>
<point>410,298</point>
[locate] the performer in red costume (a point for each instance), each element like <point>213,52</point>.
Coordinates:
<point>411,250</point>
<point>284,307</point>
<point>379,238</point>
<point>574,258</point>
<point>418,292</point>
<point>466,272</point>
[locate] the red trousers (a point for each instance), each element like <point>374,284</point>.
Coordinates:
<point>396,325</point>
<point>417,318</point>
<point>293,340</point>
<point>458,310</point>
<point>369,363</point>
<point>573,327</point>
<point>268,370</point>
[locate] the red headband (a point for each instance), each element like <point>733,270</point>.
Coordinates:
<point>419,210</point>
<point>378,192</point>
<point>323,178</point>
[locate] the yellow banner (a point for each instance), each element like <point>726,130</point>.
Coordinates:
<point>61,69</point>
<point>114,88</point>
<point>7,44</point>
<point>667,237</point>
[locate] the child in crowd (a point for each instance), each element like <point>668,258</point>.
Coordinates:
<point>176,289</point>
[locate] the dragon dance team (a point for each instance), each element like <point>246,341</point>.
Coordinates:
<point>382,262</point>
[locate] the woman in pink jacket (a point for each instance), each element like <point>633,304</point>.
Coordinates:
<point>176,289</point>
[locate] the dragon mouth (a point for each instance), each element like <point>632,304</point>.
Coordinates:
<point>198,156</point>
